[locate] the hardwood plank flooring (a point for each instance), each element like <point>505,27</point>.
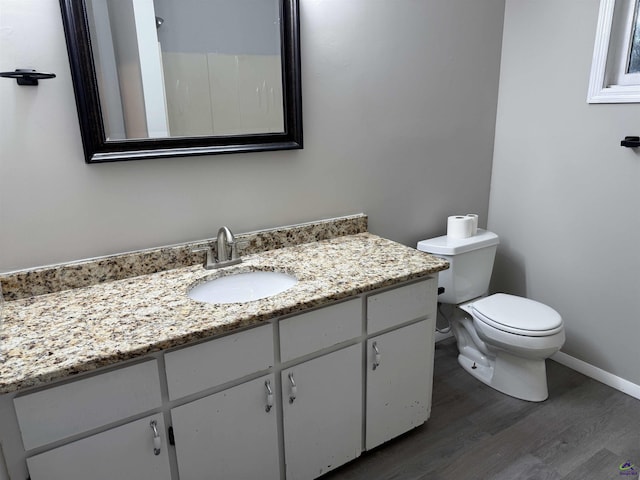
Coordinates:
<point>584,430</point>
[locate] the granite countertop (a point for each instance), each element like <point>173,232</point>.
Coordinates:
<point>56,335</point>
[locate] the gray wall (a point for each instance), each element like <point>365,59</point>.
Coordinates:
<point>564,194</point>
<point>234,27</point>
<point>399,111</point>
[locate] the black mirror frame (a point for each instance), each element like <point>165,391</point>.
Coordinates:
<point>98,149</point>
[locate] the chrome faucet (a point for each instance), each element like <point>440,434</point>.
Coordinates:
<point>227,247</point>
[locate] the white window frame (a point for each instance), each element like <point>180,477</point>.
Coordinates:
<point>609,82</point>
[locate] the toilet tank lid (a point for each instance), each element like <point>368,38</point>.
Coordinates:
<point>445,245</point>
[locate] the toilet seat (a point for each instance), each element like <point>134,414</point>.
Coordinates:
<point>517,315</point>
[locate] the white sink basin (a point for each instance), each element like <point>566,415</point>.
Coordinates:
<point>242,287</point>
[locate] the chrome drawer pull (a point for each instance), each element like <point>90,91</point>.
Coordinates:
<point>293,389</point>
<point>376,360</point>
<point>156,437</point>
<point>269,405</point>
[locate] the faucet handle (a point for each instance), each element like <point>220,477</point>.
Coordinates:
<point>207,250</point>
<point>209,257</point>
<point>234,247</point>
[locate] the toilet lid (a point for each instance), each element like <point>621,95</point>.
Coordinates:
<point>517,315</point>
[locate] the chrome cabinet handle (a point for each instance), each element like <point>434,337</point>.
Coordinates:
<point>156,437</point>
<point>376,358</point>
<point>269,405</point>
<point>293,389</point>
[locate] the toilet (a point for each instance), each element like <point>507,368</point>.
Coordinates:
<point>503,340</point>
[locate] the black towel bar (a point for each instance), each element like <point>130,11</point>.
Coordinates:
<point>27,76</point>
<point>630,142</point>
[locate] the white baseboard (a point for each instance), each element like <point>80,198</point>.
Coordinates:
<point>613,381</point>
<point>625,386</point>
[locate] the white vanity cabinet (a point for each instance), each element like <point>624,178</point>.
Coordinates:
<point>292,398</point>
<point>230,435</point>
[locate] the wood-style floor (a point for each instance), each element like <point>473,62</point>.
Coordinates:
<point>584,430</point>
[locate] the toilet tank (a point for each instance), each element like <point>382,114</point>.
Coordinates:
<point>470,264</point>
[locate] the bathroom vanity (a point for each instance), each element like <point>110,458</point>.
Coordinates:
<point>147,383</point>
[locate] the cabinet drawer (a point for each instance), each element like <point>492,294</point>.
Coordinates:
<point>79,406</point>
<point>125,452</point>
<point>403,304</point>
<point>218,361</point>
<point>313,331</point>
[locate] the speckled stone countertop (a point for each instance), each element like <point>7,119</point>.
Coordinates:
<point>53,336</point>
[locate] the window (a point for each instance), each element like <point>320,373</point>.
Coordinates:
<point>615,71</point>
<point>634,60</point>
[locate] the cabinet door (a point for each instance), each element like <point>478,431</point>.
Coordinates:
<point>228,435</point>
<point>322,413</point>
<point>399,381</point>
<point>120,453</point>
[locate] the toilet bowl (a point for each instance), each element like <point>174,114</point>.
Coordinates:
<point>503,340</point>
<point>516,335</point>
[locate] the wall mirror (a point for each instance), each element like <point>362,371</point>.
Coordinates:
<point>159,78</point>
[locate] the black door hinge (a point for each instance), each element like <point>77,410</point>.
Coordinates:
<point>172,439</point>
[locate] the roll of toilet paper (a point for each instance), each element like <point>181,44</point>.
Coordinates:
<point>474,217</point>
<point>459,226</point>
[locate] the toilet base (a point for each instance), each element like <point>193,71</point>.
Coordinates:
<point>517,377</point>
